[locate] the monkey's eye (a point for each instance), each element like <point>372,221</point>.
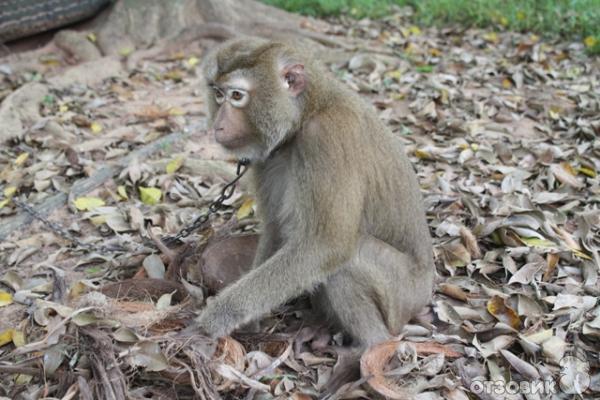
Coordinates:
<point>290,78</point>
<point>219,96</point>
<point>238,97</point>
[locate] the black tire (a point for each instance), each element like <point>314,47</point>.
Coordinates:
<point>20,18</point>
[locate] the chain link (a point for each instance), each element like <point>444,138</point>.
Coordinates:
<point>64,232</point>
<point>213,207</point>
<point>196,224</point>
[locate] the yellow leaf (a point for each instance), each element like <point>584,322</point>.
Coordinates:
<point>122,192</point>
<point>504,21</point>
<point>584,170</point>
<point>18,338</point>
<point>63,108</point>
<point>179,55</point>
<point>506,83</point>
<point>537,242</point>
<point>411,48</point>
<point>6,337</point>
<point>49,61</point>
<point>96,127</point>
<point>21,158</point>
<point>92,37</point>
<point>474,146</point>
<point>581,254</point>
<point>491,37</point>
<point>23,379</point>
<point>192,61</point>
<point>98,220</point>
<point>568,168</point>
<point>521,15</point>
<point>503,313</point>
<point>88,203</point>
<point>414,30</point>
<point>175,111</point>
<point>5,298</point>
<point>125,51</point>
<point>9,191</point>
<point>435,52</point>
<point>4,202</point>
<point>245,209</point>
<point>174,165</point>
<point>77,290</point>
<point>422,154</point>
<point>174,75</point>
<point>150,195</point>
<point>395,74</point>
<point>590,41</point>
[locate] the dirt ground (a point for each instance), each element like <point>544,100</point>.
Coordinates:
<point>502,128</point>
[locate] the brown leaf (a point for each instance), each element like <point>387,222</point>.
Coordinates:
<point>470,242</point>
<point>232,353</point>
<point>374,361</point>
<point>453,291</point>
<point>551,262</point>
<point>498,308</point>
<point>372,366</point>
<point>563,172</point>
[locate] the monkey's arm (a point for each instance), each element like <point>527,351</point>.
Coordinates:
<point>268,243</point>
<point>287,274</point>
<point>326,235</point>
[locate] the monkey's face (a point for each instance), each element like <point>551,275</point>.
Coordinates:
<point>256,109</point>
<point>232,127</point>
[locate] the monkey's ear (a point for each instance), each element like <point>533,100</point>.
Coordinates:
<point>294,78</point>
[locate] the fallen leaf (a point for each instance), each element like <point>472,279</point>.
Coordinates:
<point>122,192</point>
<point>174,165</point>
<point>96,127</point>
<point>498,308</point>
<point>150,195</point>
<point>5,298</point>
<point>88,203</point>
<point>590,41</point>
<point>245,209</point>
<point>6,336</point>
<point>21,158</point>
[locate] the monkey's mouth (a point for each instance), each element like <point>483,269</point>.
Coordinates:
<point>230,141</point>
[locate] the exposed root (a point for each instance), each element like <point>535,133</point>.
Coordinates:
<point>108,380</point>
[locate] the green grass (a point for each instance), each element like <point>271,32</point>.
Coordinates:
<point>573,19</point>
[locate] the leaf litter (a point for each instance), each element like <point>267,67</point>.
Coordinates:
<point>503,131</point>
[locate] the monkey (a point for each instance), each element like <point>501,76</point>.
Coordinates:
<point>340,205</point>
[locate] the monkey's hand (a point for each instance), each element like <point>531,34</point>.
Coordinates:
<point>287,274</point>
<point>218,318</point>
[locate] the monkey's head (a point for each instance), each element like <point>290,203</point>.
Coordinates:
<point>256,92</point>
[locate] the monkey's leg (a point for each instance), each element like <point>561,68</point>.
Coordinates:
<point>376,293</point>
<point>350,306</point>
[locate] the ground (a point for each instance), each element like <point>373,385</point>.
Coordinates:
<point>502,129</point>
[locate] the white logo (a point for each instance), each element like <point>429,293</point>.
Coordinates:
<point>574,378</point>
<point>574,375</point>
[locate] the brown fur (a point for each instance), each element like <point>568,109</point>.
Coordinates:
<point>341,207</point>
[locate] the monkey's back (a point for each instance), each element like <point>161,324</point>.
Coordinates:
<point>389,180</point>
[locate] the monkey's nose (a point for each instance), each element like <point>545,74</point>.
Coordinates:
<point>213,131</point>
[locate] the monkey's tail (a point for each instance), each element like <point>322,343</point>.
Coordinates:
<point>346,376</point>
<point>346,373</point>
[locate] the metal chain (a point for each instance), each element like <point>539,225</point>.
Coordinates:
<point>213,207</point>
<point>64,232</point>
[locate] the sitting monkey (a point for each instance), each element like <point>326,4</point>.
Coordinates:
<point>341,207</point>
